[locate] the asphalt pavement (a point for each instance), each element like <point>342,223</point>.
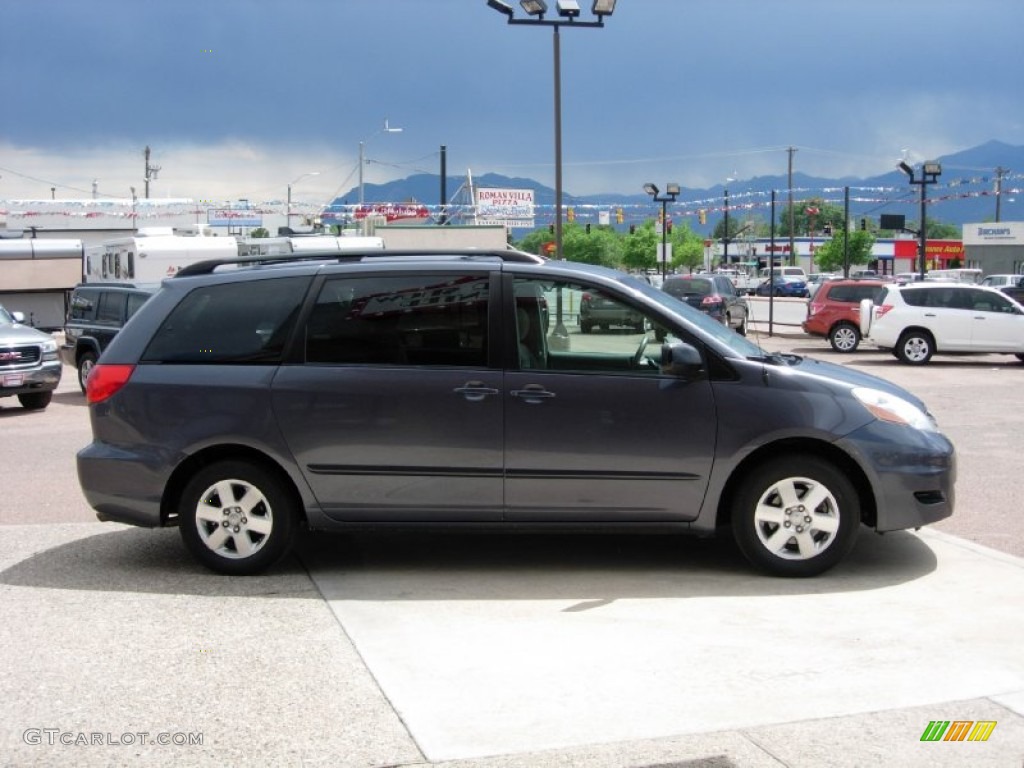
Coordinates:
<point>407,649</point>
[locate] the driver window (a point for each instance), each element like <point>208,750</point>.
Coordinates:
<point>574,327</point>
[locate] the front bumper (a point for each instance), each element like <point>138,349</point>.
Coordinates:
<point>912,473</point>
<point>44,378</point>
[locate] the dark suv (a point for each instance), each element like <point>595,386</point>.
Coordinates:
<point>384,388</point>
<point>96,312</point>
<point>715,295</point>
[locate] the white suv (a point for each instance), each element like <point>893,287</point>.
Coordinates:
<point>918,320</point>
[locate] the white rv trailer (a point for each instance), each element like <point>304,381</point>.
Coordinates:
<point>152,254</point>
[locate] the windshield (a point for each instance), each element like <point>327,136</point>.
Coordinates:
<point>722,334</point>
<point>5,317</point>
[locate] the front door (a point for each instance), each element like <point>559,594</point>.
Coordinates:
<point>594,431</point>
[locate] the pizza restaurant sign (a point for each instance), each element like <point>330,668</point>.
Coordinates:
<point>509,207</point>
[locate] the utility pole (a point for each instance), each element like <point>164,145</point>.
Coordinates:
<point>792,240</point>
<point>999,188</point>
<point>151,172</point>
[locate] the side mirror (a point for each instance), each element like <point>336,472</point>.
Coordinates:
<point>19,317</point>
<point>681,359</point>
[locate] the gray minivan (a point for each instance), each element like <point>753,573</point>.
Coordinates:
<point>457,389</point>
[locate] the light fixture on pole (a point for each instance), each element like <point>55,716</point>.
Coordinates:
<point>930,173</point>
<point>569,14</point>
<point>288,213</point>
<point>671,193</point>
<point>362,147</point>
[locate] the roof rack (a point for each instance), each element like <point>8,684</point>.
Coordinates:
<point>210,265</point>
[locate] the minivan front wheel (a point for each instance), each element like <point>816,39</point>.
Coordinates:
<point>796,516</point>
<point>236,518</point>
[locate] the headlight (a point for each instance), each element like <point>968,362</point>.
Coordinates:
<point>50,350</point>
<point>893,409</point>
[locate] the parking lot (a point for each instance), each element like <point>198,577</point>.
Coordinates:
<point>406,648</point>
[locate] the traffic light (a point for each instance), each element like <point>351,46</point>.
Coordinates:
<point>551,228</point>
<point>588,227</point>
<point>571,214</point>
<point>702,216</point>
<point>632,229</point>
<point>864,224</point>
<point>668,227</point>
<point>619,216</point>
<point>827,229</point>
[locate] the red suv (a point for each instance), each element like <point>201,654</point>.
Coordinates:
<point>834,312</point>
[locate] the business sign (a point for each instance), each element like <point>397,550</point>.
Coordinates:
<point>1000,233</point>
<point>392,211</point>
<point>508,207</point>
<point>938,251</point>
<point>234,217</point>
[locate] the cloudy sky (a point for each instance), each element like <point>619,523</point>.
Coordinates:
<point>238,98</point>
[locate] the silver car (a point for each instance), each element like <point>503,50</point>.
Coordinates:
<point>30,367</point>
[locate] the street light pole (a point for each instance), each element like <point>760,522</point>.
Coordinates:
<point>362,154</point>
<point>568,12</point>
<point>930,173</point>
<point>671,193</point>
<point>288,210</point>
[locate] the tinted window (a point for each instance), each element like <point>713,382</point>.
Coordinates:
<point>110,308</point>
<point>83,305</point>
<point>245,322</point>
<point>852,293</point>
<point>682,287</point>
<point>135,300</point>
<point>407,320</point>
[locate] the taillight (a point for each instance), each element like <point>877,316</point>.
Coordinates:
<point>105,380</point>
<point>881,309</point>
<point>710,301</point>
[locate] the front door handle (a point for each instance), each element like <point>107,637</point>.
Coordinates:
<point>533,393</point>
<point>475,391</point>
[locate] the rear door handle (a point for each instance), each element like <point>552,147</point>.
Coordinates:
<point>475,391</point>
<point>533,393</point>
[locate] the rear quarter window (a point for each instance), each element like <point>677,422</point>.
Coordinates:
<point>83,306</point>
<point>245,322</point>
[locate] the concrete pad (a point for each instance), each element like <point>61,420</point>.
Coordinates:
<point>115,631</point>
<point>503,645</point>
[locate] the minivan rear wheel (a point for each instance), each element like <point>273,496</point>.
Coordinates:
<point>236,517</point>
<point>796,515</point>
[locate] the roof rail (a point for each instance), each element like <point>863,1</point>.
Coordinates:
<point>210,265</point>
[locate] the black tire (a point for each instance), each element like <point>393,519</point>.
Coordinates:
<point>85,364</point>
<point>821,536</point>
<point>35,401</point>
<point>844,337</point>
<point>915,347</point>
<point>741,329</point>
<point>260,516</point>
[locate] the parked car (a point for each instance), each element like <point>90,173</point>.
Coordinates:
<point>1011,285</point>
<point>834,312</point>
<point>783,285</point>
<point>918,320</point>
<point>714,295</point>
<point>96,312</point>
<point>30,368</point>
<point>598,311</point>
<point>374,389</point>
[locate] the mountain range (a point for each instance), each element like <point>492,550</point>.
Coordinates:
<point>965,191</point>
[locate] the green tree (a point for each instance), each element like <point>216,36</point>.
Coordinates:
<point>599,246</point>
<point>829,256</point>
<point>259,232</point>
<point>640,249</point>
<point>828,214</point>
<point>536,241</point>
<point>687,247</point>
